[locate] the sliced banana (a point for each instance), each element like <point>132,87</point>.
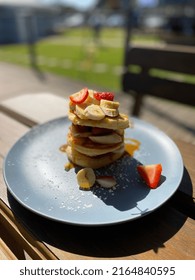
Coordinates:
<point>80,131</point>
<point>79,110</point>
<point>72,106</point>
<point>120,131</point>
<point>86,178</point>
<point>90,99</point>
<point>120,122</point>
<point>106,181</point>
<point>95,150</point>
<point>109,104</point>
<point>112,138</point>
<point>94,112</point>
<point>110,112</point>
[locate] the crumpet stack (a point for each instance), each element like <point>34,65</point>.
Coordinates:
<point>96,135</point>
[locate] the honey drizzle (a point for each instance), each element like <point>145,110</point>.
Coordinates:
<point>131,147</point>
<point>63,148</point>
<point>69,166</point>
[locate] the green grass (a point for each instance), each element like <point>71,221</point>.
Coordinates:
<point>74,54</point>
<point>82,53</point>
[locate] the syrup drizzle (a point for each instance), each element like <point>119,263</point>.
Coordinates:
<point>63,148</point>
<point>131,146</point>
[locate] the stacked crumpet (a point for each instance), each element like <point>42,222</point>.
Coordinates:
<point>96,136</point>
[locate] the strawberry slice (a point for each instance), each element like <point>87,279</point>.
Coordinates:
<point>150,174</point>
<point>79,97</point>
<point>104,95</point>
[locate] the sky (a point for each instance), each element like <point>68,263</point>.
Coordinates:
<point>82,4</point>
<point>77,3</point>
<point>87,3</point>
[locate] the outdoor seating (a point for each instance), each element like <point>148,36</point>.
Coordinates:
<point>53,129</point>
<point>156,74</point>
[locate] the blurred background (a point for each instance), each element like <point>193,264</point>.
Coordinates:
<point>84,40</point>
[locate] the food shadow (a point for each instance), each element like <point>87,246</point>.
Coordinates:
<point>128,239</point>
<point>129,188</point>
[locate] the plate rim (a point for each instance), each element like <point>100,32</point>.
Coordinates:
<point>134,120</point>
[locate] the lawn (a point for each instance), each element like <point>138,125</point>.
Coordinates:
<point>75,54</point>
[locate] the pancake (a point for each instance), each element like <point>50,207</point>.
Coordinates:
<point>119,122</point>
<point>96,135</point>
<point>93,162</point>
<point>90,148</point>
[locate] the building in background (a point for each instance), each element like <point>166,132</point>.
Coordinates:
<point>26,22</point>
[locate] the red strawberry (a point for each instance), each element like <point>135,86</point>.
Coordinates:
<point>104,95</point>
<point>150,174</point>
<point>79,97</point>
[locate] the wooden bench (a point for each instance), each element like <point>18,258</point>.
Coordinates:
<point>146,79</point>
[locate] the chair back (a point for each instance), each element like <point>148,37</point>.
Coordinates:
<point>154,71</point>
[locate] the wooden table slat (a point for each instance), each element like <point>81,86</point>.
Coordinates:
<point>32,109</point>
<point>167,233</point>
<point>36,249</point>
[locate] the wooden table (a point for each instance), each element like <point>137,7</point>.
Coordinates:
<point>167,233</point>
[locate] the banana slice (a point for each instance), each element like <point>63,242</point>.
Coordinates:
<point>80,131</point>
<point>120,131</point>
<point>94,112</point>
<point>72,106</point>
<point>110,112</point>
<point>120,122</point>
<point>95,150</point>
<point>106,181</point>
<point>79,110</point>
<point>112,138</point>
<point>109,104</point>
<point>86,178</point>
<point>90,99</point>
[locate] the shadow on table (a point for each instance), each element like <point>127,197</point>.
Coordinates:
<point>130,238</point>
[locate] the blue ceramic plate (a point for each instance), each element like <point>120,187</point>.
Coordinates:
<point>35,176</point>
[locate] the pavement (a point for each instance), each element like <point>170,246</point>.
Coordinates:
<point>16,80</point>
<point>178,121</point>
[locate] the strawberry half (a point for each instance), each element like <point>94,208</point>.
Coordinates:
<point>104,95</point>
<point>150,174</point>
<point>79,97</point>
